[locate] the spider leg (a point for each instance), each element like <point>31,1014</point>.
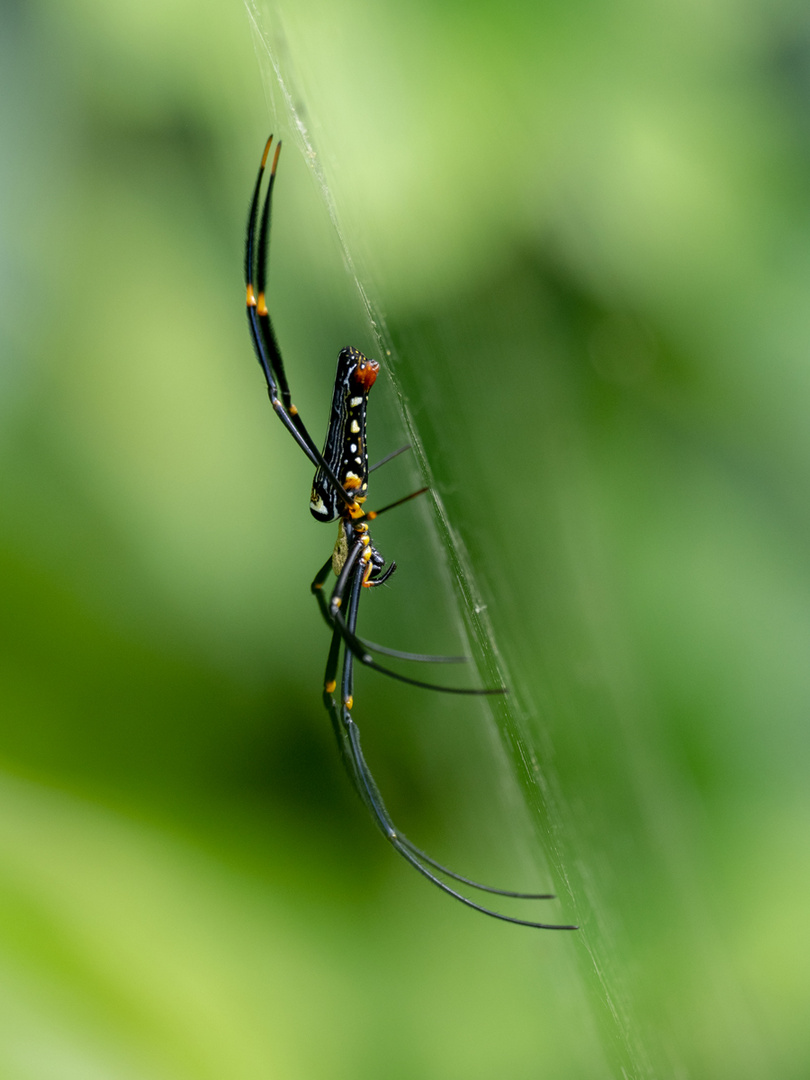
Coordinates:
<point>355,645</point>
<point>360,774</point>
<point>371,514</point>
<point>424,857</point>
<point>372,646</point>
<point>265,325</point>
<point>329,687</point>
<point>420,658</point>
<point>389,457</point>
<point>261,328</point>
<point>358,649</point>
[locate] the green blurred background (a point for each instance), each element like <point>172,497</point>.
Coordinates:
<point>588,229</point>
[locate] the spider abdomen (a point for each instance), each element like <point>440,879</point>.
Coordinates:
<point>344,449</point>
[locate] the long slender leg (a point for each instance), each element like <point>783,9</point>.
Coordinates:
<point>261,330</point>
<point>268,334</point>
<point>408,852</point>
<point>421,658</point>
<point>371,646</point>
<point>389,457</point>
<point>355,645</point>
<point>424,658</point>
<point>347,681</point>
<point>405,498</point>
<point>370,794</point>
<point>264,343</point>
<point>357,648</point>
<point>265,323</point>
<point>329,687</point>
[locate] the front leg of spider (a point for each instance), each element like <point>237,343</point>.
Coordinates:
<point>348,738</point>
<point>357,564</point>
<point>339,493</point>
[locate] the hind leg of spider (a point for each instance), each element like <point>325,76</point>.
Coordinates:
<point>360,774</point>
<point>261,328</point>
<point>257,248</point>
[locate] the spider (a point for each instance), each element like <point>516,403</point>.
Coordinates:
<point>339,494</point>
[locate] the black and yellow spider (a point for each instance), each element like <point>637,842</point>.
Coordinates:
<point>339,494</point>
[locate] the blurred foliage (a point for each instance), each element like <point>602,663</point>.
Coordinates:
<point>587,227</point>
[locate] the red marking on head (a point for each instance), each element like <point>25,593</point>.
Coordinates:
<point>365,373</point>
